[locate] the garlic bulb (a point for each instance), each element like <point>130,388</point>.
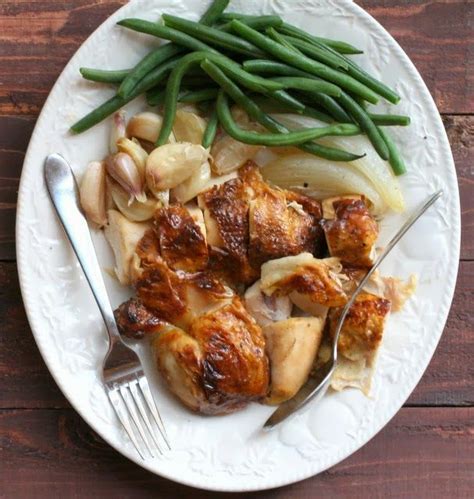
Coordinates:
<point>123,169</point>
<point>169,165</point>
<point>92,193</point>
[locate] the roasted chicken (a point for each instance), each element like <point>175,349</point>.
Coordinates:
<point>351,231</point>
<point>192,261</point>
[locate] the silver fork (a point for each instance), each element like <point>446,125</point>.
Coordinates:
<point>123,376</point>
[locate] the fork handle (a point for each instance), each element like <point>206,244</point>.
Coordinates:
<point>64,193</point>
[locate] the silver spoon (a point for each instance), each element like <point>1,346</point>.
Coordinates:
<point>317,385</point>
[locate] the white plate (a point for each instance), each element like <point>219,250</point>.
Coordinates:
<point>230,453</point>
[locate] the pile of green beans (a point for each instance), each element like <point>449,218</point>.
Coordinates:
<point>260,63</point>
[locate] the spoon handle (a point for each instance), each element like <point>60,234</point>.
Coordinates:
<point>62,188</point>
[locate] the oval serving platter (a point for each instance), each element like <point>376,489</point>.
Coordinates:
<point>231,453</point>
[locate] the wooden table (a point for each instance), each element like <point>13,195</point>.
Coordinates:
<point>427,450</point>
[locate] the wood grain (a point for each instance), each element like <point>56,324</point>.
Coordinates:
<point>422,453</point>
<point>26,383</point>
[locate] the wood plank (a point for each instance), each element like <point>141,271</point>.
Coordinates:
<point>26,383</point>
<point>435,35</point>
<point>15,132</point>
<point>423,453</point>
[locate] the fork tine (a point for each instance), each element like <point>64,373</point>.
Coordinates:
<point>139,402</point>
<point>143,384</point>
<point>122,414</point>
<point>126,396</point>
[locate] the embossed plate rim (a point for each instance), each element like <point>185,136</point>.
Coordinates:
<point>228,477</point>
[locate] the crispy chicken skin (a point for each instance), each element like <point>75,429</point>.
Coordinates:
<point>278,223</point>
<point>226,217</point>
<point>306,275</point>
<point>350,230</point>
<point>362,331</point>
<point>219,365</point>
<point>182,243</point>
<point>248,222</point>
<point>136,321</point>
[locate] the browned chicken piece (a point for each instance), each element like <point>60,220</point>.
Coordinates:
<point>313,208</point>
<point>182,243</point>
<point>359,342</point>
<point>363,327</point>
<point>226,217</point>
<point>174,297</point>
<point>134,320</point>
<point>351,231</point>
<point>220,365</point>
<point>319,280</point>
<point>278,224</point>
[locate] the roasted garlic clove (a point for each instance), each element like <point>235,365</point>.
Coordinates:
<point>169,165</point>
<point>134,149</point>
<point>146,126</point>
<point>92,193</point>
<point>118,130</point>
<point>134,211</point>
<point>229,155</point>
<point>189,127</point>
<point>194,185</point>
<point>123,169</point>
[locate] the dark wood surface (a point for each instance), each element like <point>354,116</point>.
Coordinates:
<point>427,450</point>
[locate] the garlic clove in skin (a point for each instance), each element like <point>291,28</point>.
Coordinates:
<point>134,149</point>
<point>123,170</point>
<point>92,193</point>
<point>118,130</point>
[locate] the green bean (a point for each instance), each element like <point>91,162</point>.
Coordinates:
<point>395,159</point>
<point>390,119</point>
<point>258,23</point>
<point>302,62</point>
<point>230,67</point>
<point>267,121</point>
<point>211,36</point>
<point>363,119</point>
<point>115,103</point>
<point>317,53</point>
<point>288,100</point>
<point>165,32</point>
<point>104,76</point>
<point>309,85</point>
<point>338,46</point>
<point>147,64</point>
<point>211,129</point>
<point>156,96</point>
<point>330,105</point>
<point>270,105</point>
<point>199,96</point>
<point>277,37</point>
<point>214,12</point>
<point>265,66</point>
<point>275,139</point>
